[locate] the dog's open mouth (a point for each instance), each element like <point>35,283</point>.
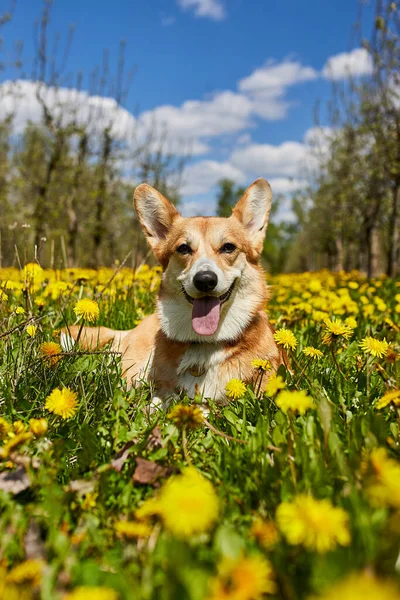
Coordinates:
<point>207,311</point>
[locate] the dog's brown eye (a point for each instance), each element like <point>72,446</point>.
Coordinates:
<point>227,248</point>
<point>184,249</point>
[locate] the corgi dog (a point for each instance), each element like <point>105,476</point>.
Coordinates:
<point>210,321</point>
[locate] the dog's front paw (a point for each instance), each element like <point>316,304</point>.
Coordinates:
<point>67,342</point>
<point>157,403</point>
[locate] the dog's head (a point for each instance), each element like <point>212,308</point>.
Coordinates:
<point>212,285</point>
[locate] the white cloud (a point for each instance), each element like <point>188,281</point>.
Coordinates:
<point>185,129</point>
<point>212,9</point>
<point>20,98</point>
<point>318,135</point>
<point>286,185</point>
<point>200,177</point>
<point>227,112</point>
<point>198,205</point>
<point>358,62</point>
<point>266,87</point>
<point>276,76</point>
<point>266,160</point>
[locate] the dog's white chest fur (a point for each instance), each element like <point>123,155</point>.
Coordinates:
<point>200,370</point>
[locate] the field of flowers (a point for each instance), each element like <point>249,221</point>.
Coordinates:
<point>293,494</point>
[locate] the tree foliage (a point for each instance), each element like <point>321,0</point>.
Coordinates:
<point>67,180</point>
<point>352,216</point>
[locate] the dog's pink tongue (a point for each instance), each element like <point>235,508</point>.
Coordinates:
<point>205,315</point>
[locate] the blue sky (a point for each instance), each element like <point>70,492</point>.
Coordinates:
<point>236,80</point>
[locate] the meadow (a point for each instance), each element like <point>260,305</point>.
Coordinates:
<point>292,494</point>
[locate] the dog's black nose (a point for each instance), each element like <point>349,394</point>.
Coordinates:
<point>205,281</point>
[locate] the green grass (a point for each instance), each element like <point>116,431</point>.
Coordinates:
<point>67,511</point>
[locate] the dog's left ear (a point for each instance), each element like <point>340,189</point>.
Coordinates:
<point>155,213</point>
<point>253,210</point>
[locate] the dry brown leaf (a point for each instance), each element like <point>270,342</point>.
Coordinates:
<point>147,471</point>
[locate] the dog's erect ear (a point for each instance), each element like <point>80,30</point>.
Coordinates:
<point>155,213</point>
<point>253,210</point>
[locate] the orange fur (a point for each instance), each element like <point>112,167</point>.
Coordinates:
<point>163,348</point>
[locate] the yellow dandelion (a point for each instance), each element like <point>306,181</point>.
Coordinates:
<point>188,504</point>
<point>387,398</point>
<point>315,285</point>
<point>32,270</point>
<point>190,417</point>
<point>51,353</point>
<point>29,571</point>
<point>362,586</point>
<point>5,428</point>
<point>149,508</point>
<point>92,593</point>
<point>89,500</point>
<point>31,330</point>
<point>351,322</point>
<point>334,330</point>
<point>312,352</point>
<point>265,532</point>
<point>235,388</point>
<point>18,427</point>
<point>19,310</point>
<point>132,529</point>
<point>274,384</point>
<point>261,364</point>
<point>353,285</point>
<point>62,402</point>
<point>3,296</point>
<point>314,524</point>
<point>294,401</point>
<point>285,338</point>
<point>87,309</point>
<point>384,487</point>
<point>40,302</point>
<point>374,347</point>
<point>38,427</point>
<point>246,578</point>
<point>13,442</point>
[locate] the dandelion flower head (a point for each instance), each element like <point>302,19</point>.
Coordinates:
<point>87,309</point>
<point>377,348</point>
<point>362,586</point>
<point>285,338</point>
<point>51,353</point>
<point>313,352</point>
<point>235,388</point>
<point>247,578</point>
<point>62,403</point>
<point>294,401</point>
<point>315,524</point>
<point>188,504</point>
<point>190,417</point>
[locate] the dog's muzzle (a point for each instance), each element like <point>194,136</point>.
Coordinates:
<point>205,281</point>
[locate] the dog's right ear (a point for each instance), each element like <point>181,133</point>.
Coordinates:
<point>155,213</point>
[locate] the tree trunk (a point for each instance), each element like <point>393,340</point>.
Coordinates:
<point>393,232</point>
<point>372,244</point>
<point>73,222</point>
<point>40,214</point>
<point>99,227</point>
<point>339,254</point>
<point>72,236</point>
